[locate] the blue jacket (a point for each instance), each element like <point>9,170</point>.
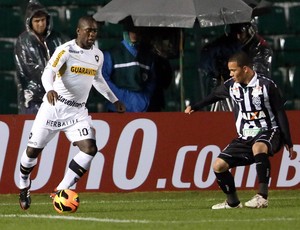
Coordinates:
<point>129,73</point>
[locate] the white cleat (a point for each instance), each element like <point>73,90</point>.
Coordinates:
<point>225,205</point>
<point>257,202</point>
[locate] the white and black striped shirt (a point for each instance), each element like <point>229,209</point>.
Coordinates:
<point>259,105</point>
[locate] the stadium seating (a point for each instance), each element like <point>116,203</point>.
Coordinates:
<point>108,43</point>
<point>294,18</point>
<point>11,23</point>
<point>55,2</point>
<point>214,31</point>
<point>295,81</point>
<point>8,93</point>
<point>109,30</point>
<point>273,23</point>
<point>273,42</point>
<point>6,55</point>
<point>290,51</point>
<point>73,14</point>
<point>10,3</point>
<point>191,84</point>
<point>57,23</point>
<point>89,2</point>
<point>279,77</point>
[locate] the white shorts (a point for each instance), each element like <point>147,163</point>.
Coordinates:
<point>76,123</point>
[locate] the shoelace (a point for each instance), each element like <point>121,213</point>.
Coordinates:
<point>24,193</point>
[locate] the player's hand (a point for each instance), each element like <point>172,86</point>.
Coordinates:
<point>188,110</point>
<point>120,107</point>
<point>52,97</point>
<point>292,153</point>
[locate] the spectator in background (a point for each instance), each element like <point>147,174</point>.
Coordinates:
<point>255,46</point>
<point>32,52</point>
<point>128,70</point>
<point>164,76</point>
<point>163,42</point>
<point>214,56</point>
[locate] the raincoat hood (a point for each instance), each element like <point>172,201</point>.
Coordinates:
<point>32,8</point>
<point>31,57</point>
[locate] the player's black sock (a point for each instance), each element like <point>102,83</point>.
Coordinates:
<point>25,170</point>
<point>226,182</point>
<point>77,168</point>
<point>263,168</point>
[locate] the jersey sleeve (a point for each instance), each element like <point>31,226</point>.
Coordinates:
<point>57,60</point>
<point>221,92</point>
<point>277,104</point>
<point>55,63</point>
<point>102,87</point>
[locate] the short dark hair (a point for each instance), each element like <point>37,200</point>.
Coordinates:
<point>86,18</point>
<point>39,13</point>
<point>241,58</point>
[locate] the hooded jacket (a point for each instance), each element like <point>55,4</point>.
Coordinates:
<point>31,57</point>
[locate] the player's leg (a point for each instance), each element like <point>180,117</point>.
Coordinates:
<point>235,154</point>
<point>79,164</point>
<point>27,163</point>
<point>38,139</point>
<point>225,181</point>
<point>82,135</point>
<point>265,145</point>
<point>263,169</point>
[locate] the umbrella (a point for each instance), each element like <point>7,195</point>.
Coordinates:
<point>176,14</point>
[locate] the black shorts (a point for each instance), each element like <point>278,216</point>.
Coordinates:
<point>239,151</point>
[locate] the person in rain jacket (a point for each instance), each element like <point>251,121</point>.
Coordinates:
<point>214,56</point>
<point>32,51</point>
<point>129,72</point>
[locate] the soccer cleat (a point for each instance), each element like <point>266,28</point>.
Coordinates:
<point>24,198</point>
<point>225,205</point>
<point>53,193</point>
<point>257,202</point>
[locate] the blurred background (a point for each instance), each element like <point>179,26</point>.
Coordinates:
<point>280,26</point>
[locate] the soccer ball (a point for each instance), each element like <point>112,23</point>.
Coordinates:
<point>66,201</point>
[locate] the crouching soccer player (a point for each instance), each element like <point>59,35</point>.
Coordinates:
<point>262,126</point>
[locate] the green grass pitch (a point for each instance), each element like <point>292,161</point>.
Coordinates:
<point>153,210</point>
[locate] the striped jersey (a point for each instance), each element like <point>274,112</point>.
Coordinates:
<point>259,106</point>
<point>255,102</point>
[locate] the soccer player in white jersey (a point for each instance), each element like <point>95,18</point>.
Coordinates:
<point>71,72</point>
<point>262,126</point>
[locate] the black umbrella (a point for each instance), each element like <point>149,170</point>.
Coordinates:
<point>176,14</point>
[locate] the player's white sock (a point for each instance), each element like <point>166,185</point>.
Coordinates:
<point>77,167</point>
<point>26,166</point>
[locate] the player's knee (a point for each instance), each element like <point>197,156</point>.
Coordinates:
<point>220,165</point>
<point>33,152</point>
<point>87,146</point>
<point>259,147</point>
<point>90,149</point>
